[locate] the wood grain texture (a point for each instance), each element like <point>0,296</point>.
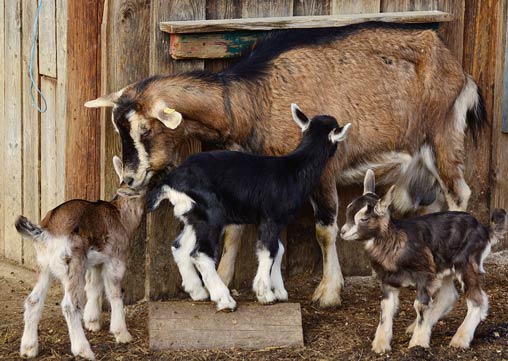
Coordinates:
<point>83,84</point>
<point>49,156</point>
<point>354,6</point>
<point>267,8</point>
<point>31,117</point>
<point>302,22</point>
<point>480,28</point>
<point>124,41</point>
<point>408,5</point>
<point>47,38</point>
<point>212,45</point>
<point>13,141</point>
<point>3,124</point>
<point>452,32</point>
<point>192,326</point>
<point>61,92</point>
<point>499,185</point>
<point>162,228</point>
<point>311,7</point>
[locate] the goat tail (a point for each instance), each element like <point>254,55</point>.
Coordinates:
<point>497,225</point>
<point>471,103</point>
<point>28,229</point>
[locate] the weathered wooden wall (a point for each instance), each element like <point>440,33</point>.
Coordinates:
<point>123,44</point>
<point>32,145</point>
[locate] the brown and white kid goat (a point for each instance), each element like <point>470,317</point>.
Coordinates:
<point>407,97</point>
<point>428,252</point>
<point>84,245</point>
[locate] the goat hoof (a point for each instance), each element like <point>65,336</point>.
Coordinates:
<point>267,298</point>
<point>123,337</point>
<point>326,296</point>
<point>199,295</point>
<point>228,305</point>
<point>281,295</point>
<point>93,326</point>
<point>459,342</point>
<point>424,344</point>
<point>29,350</point>
<point>380,347</point>
<point>86,353</point>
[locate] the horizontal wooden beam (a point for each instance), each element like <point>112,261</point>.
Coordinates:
<point>301,22</point>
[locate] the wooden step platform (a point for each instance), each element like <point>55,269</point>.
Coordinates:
<point>187,325</point>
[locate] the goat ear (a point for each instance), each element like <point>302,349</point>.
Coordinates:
<point>369,182</point>
<point>169,117</point>
<point>341,136</point>
<point>382,205</point>
<point>299,118</point>
<point>105,101</point>
<point>118,165</point>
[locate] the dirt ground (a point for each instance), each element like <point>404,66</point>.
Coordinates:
<point>344,333</point>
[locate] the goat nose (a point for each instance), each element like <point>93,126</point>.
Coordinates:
<point>128,180</point>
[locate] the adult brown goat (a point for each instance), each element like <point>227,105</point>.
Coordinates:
<point>407,97</point>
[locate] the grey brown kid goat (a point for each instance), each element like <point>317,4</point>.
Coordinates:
<point>428,252</point>
<point>84,245</point>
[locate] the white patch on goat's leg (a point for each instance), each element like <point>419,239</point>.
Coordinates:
<point>182,250</point>
<point>328,291</point>
<point>442,303</point>
<point>79,343</point>
<point>113,272</point>
<point>262,284</point>
<point>484,255</point>
<point>276,276</point>
<point>232,241</point>
<point>93,288</point>
<point>34,305</point>
<point>219,293</point>
<point>475,314</point>
<point>383,337</point>
<point>464,193</point>
<point>422,329</point>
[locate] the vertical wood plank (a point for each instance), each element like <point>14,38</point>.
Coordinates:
<point>83,83</point>
<point>125,40</point>
<point>61,91</point>
<point>263,9</point>
<point>408,5</point>
<point>480,27</point>
<point>49,156</point>
<point>13,130</point>
<point>452,32</point>
<point>162,227</point>
<point>3,124</point>
<point>354,6</point>
<point>499,185</point>
<point>311,7</point>
<point>31,118</point>
<point>47,38</point>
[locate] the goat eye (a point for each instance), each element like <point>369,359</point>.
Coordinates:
<point>364,219</point>
<point>145,131</point>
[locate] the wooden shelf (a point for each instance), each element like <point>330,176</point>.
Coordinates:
<point>214,39</point>
<point>300,22</point>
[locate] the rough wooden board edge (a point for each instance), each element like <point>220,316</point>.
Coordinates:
<point>301,22</point>
<point>200,319</point>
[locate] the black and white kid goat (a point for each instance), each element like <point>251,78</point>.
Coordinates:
<point>213,189</point>
<point>428,252</point>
